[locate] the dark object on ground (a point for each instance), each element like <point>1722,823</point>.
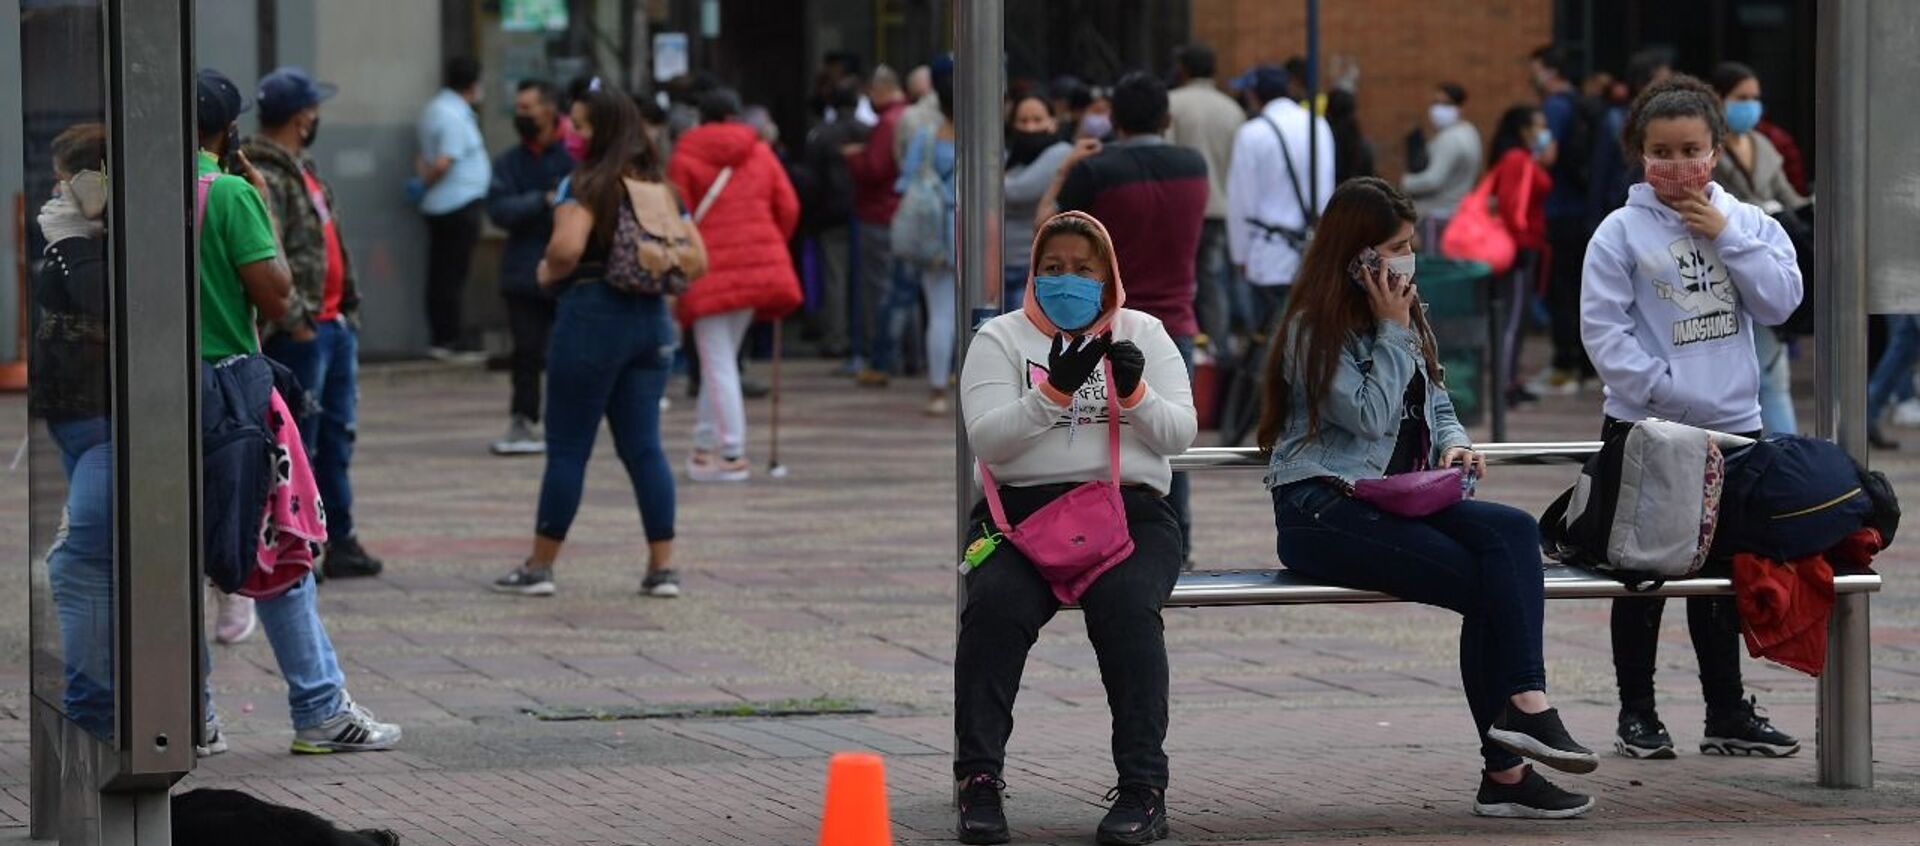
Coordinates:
<point>232,818</point>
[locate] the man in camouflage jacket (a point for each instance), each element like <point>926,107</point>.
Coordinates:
<point>318,339</point>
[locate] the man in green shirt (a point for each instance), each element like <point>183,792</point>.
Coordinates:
<point>241,271</point>
<point>241,268</point>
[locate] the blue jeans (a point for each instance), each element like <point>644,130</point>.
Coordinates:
<point>80,570</point>
<point>1892,379</point>
<point>1776,383</point>
<point>328,367</point>
<point>903,301</point>
<point>316,686</point>
<point>610,357</point>
<point>1480,559</point>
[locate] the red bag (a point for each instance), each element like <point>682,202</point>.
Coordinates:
<point>1477,234</point>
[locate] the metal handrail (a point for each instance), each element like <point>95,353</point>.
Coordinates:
<point>1505,454</point>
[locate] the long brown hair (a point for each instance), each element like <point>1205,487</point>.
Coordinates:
<point>619,149</point>
<point>1326,307</point>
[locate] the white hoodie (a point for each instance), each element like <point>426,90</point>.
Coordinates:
<point>1668,315</point>
<point>1030,434</point>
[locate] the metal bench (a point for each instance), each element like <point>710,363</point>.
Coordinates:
<point>1844,742</point>
<point>1205,588</point>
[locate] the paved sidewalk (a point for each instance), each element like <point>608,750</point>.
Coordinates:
<point>834,589</point>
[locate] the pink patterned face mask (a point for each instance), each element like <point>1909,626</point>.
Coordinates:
<point>1674,177</point>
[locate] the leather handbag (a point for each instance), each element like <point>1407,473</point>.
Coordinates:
<point>1415,494</point>
<point>1078,537</point>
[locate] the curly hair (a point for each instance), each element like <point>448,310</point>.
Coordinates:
<point>1677,96</point>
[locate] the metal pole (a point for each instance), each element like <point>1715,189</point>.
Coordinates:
<point>978,83</point>
<point>979,39</point>
<point>1840,339</point>
<point>1313,110</point>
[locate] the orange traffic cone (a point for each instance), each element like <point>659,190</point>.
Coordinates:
<point>856,802</point>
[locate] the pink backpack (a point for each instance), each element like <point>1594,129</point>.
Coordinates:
<point>1077,538</point>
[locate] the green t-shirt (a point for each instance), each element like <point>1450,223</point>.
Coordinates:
<point>235,232</point>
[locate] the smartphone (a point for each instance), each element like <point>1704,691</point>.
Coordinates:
<point>1368,261</point>
<point>230,162</point>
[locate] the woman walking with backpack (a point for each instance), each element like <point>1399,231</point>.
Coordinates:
<point>746,210</point>
<point>620,244</point>
<point>1356,402</point>
<point>1675,284</point>
<point>923,233</point>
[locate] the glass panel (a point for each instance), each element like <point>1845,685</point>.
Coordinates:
<point>70,441</point>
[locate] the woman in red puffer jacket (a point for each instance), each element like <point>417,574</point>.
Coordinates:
<point>748,219</point>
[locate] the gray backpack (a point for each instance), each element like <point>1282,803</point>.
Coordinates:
<point>1645,507</point>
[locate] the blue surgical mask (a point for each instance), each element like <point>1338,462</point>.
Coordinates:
<point>1541,139</point>
<point>1071,302</point>
<point>1743,116</point>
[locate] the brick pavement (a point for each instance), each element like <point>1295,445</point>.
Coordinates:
<point>1290,725</point>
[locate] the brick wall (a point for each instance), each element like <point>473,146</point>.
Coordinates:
<point>1404,48</point>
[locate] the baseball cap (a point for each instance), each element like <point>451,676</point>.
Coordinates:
<point>286,91</point>
<point>219,103</point>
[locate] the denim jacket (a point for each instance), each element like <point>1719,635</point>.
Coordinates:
<point>1360,420</point>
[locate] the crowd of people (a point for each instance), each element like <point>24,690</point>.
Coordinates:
<point>1656,223</point>
<point>1655,232</point>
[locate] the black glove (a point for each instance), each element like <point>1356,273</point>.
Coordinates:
<point>1068,369</point>
<point>1128,363</point>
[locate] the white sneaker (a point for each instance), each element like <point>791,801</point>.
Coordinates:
<point>1907,414</point>
<point>216,741</point>
<point>352,730</point>
<point>235,619</point>
<point>706,467</point>
<point>522,438</point>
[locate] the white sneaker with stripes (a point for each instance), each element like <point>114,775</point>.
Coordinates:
<point>352,730</point>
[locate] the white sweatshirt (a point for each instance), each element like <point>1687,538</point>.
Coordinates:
<point>1020,429</point>
<point>1668,316</point>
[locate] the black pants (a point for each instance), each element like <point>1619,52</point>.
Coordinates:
<point>1008,602</point>
<point>530,319</point>
<point>1712,621</point>
<point>1568,238</point>
<point>450,240</point>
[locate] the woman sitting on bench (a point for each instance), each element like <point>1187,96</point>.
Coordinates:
<point>1354,392</point>
<point>1111,403</point>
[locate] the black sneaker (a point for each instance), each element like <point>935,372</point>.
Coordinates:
<point>981,819</point>
<point>1532,798</point>
<point>664,584</point>
<point>1138,815</point>
<point>1745,731</point>
<point>526,581</point>
<point>1641,735</point>
<point>347,560</point>
<point>1542,738</point>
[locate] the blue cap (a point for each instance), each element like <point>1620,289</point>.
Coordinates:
<point>1267,81</point>
<point>218,101</point>
<point>285,91</point>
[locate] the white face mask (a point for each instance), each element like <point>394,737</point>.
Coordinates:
<point>1443,115</point>
<point>88,190</point>
<point>1401,266</point>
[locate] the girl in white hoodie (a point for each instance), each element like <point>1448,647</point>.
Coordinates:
<point>1673,287</point>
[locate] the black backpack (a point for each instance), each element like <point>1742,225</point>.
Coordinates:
<point>1789,497</point>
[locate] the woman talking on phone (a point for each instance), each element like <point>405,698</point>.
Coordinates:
<point>1356,419</point>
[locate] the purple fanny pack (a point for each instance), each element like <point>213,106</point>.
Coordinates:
<point>1415,494</point>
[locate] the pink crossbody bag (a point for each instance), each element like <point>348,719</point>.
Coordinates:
<point>1075,539</point>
